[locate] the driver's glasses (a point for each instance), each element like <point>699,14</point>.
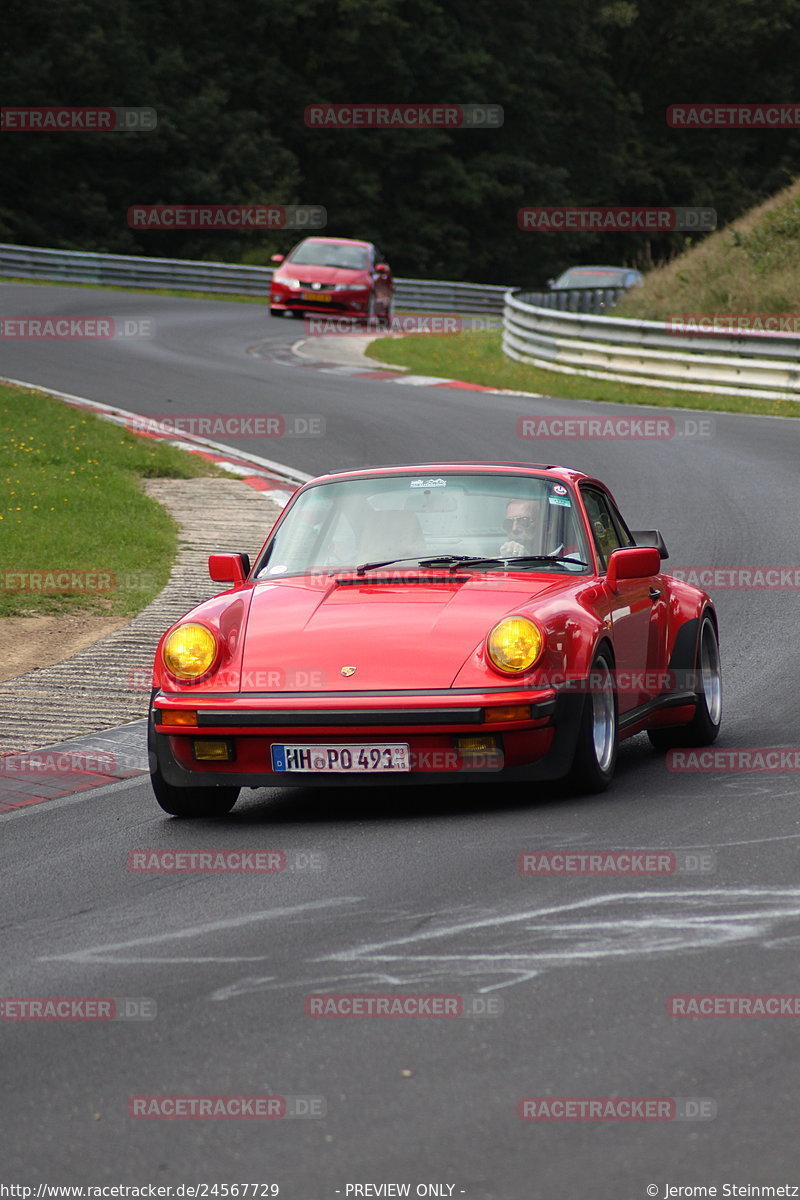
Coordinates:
<point>512,523</point>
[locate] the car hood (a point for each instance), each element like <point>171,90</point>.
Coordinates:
<point>301,634</point>
<point>311,274</point>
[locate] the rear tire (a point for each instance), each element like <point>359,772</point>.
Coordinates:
<point>598,737</point>
<point>704,726</point>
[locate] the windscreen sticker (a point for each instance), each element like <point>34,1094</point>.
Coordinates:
<point>559,490</point>
<point>561,501</point>
<point>426,483</point>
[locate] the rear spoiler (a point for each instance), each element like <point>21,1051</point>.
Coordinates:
<point>650,537</point>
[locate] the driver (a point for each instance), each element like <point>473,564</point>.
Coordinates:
<point>523,526</point>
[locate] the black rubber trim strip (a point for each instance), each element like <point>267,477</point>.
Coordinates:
<point>669,700</point>
<point>268,717</point>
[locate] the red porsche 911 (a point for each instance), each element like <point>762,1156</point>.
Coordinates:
<point>339,276</point>
<point>438,623</point>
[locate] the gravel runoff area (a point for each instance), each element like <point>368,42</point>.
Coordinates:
<point>108,683</point>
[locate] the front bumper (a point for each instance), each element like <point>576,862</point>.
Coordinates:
<point>540,747</point>
<point>354,301</point>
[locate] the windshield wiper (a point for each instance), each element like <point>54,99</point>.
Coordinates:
<point>466,560</point>
<point>387,562</point>
<point>454,561</point>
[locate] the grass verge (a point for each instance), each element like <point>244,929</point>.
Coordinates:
<point>750,267</point>
<point>479,358</point>
<point>70,501</point>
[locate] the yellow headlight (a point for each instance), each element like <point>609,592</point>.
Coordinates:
<point>514,644</point>
<point>189,651</point>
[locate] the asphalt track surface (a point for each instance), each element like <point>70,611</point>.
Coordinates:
<point>419,889</point>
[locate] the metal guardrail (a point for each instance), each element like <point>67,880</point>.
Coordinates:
<point>582,299</point>
<point>746,363</point>
<point>122,270</point>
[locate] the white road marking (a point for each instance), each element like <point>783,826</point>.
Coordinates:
<point>105,953</point>
<point>522,945</point>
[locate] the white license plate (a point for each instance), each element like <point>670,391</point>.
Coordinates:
<point>369,759</point>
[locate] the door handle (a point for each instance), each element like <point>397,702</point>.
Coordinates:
<point>654,593</point>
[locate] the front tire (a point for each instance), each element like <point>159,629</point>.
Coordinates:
<point>193,802</point>
<point>703,728</point>
<point>598,737</point>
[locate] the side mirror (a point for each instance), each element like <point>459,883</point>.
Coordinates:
<point>651,537</point>
<point>229,568</point>
<point>278,258</point>
<point>632,562</point>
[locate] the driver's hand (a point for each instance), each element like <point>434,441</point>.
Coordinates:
<point>512,550</point>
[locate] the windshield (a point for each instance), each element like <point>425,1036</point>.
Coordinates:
<point>342,525</point>
<point>577,277</point>
<point>329,254</point>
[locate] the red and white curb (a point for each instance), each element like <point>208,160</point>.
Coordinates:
<point>409,380</point>
<point>350,351</point>
<point>274,480</point>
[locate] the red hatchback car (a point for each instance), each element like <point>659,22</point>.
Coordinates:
<point>332,275</point>
<point>443,623</point>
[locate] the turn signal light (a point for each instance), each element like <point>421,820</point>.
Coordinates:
<point>511,712</point>
<point>176,716</point>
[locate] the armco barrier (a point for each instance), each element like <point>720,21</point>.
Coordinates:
<point>122,270</point>
<point>585,340</point>
<point>747,363</point>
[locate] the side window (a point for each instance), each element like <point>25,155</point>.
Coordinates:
<point>604,530</point>
<point>625,538</point>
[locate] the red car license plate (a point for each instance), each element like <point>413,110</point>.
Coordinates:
<point>318,297</point>
<point>371,758</point>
